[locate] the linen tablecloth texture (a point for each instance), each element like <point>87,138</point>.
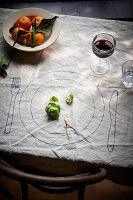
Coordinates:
<point>102,110</point>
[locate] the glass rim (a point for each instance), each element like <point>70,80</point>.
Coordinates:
<point>114,46</point>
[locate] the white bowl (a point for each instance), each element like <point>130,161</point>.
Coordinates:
<point>10,21</point>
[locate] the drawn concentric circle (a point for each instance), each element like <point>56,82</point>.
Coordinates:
<point>85,114</point>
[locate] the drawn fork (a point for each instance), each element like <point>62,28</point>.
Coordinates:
<point>15,87</point>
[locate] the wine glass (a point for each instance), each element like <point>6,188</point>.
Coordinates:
<point>103,46</point>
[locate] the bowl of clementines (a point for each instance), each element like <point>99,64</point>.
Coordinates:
<point>31,29</point>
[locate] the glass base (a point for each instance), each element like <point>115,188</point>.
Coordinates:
<point>100,67</point>
<point>127,84</point>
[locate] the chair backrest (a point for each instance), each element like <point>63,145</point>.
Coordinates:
<point>93,175</point>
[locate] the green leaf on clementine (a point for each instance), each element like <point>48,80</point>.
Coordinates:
<point>33,34</point>
<point>46,29</point>
<point>46,21</point>
<point>11,29</point>
<point>20,32</point>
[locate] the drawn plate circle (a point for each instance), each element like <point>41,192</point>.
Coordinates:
<point>85,114</point>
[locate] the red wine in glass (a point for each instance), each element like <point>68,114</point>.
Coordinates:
<point>106,47</point>
<point>103,46</point>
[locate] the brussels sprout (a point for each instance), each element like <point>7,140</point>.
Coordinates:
<point>69,99</point>
<point>53,108</point>
<point>55,99</point>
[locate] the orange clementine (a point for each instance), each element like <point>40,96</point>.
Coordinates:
<point>15,32</point>
<point>39,39</point>
<point>38,20</point>
<point>24,22</point>
<point>31,17</point>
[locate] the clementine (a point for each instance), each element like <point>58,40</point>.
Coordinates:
<point>39,39</point>
<point>31,17</point>
<point>38,20</point>
<point>24,22</point>
<point>15,33</point>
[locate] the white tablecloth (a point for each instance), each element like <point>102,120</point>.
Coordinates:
<point>102,110</point>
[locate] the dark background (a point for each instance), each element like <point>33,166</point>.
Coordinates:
<point>107,9</point>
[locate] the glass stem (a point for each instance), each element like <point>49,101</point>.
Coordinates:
<point>100,61</point>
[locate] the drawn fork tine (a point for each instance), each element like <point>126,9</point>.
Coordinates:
<point>16,82</point>
<point>15,86</point>
<point>13,83</point>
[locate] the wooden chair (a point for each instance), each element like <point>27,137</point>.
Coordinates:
<point>53,184</point>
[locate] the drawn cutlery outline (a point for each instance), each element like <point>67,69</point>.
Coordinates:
<point>15,87</point>
<point>112,129</point>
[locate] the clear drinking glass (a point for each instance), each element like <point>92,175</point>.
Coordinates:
<point>103,46</point>
<point>127,73</point>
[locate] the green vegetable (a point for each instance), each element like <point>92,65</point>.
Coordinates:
<point>53,108</point>
<point>69,99</point>
<point>53,99</point>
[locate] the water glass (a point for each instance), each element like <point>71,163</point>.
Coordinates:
<point>127,73</point>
